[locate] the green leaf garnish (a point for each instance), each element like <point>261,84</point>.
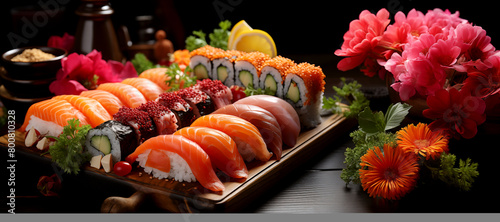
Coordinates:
<point>68,150</point>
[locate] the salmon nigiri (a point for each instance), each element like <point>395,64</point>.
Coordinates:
<point>220,148</point>
<point>180,152</point>
<point>53,111</point>
<point>109,101</point>
<point>262,119</point>
<point>158,76</point>
<point>247,137</point>
<point>129,95</point>
<point>91,108</point>
<point>149,89</point>
<point>284,113</point>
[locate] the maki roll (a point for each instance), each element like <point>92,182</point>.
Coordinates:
<point>164,119</point>
<point>220,94</point>
<point>304,86</point>
<point>111,137</point>
<point>183,111</point>
<point>272,72</point>
<point>247,68</point>
<point>201,103</point>
<point>201,61</point>
<point>223,66</point>
<point>139,120</point>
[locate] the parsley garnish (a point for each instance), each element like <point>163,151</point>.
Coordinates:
<point>218,38</point>
<point>68,150</point>
<point>178,78</point>
<point>349,92</point>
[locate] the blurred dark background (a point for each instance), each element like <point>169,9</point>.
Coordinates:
<point>311,26</point>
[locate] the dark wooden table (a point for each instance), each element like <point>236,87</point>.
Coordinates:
<point>313,187</point>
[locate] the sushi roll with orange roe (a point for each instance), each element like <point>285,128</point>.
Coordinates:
<point>272,73</point>
<point>223,66</point>
<point>201,61</point>
<point>303,88</point>
<point>247,68</point>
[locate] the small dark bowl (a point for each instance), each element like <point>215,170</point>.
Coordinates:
<point>20,105</point>
<point>33,70</point>
<point>20,88</point>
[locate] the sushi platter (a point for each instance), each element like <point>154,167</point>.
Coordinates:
<point>206,137</point>
<point>192,197</point>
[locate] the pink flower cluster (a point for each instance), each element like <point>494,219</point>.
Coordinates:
<point>426,53</point>
<point>82,72</point>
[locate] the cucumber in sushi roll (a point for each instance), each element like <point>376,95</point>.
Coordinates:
<point>303,88</point>
<point>272,72</point>
<point>223,66</point>
<point>111,137</point>
<point>201,61</point>
<point>247,68</point>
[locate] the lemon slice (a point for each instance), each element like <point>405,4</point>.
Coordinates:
<point>241,26</point>
<point>255,40</point>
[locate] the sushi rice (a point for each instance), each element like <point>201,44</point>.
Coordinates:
<point>44,127</point>
<point>179,171</point>
<point>303,89</point>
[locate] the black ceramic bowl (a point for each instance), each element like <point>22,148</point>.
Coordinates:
<point>33,70</point>
<point>19,105</point>
<point>28,88</point>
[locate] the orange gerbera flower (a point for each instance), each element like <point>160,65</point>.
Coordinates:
<point>390,174</point>
<point>422,141</point>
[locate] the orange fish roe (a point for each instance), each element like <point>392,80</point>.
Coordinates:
<point>182,57</point>
<point>207,51</point>
<point>313,76</point>
<point>229,54</point>
<point>280,63</point>
<point>257,59</point>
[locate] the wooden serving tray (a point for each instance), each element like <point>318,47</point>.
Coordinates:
<point>192,197</point>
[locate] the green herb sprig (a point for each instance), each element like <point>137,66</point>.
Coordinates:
<point>218,38</point>
<point>178,78</point>
<point>349,92</point>
<point>68,151</point>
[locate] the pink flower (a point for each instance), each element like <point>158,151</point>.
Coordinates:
<point>82,72</point>
<point>120,71</point>
<point>439,19</point>
<point>404,29</point>
<point>419,75</point>
<point>455,112</point>
<point>65,42</point>
<point>475,46</point>
<point>484,83</point>
<point>362,38</point>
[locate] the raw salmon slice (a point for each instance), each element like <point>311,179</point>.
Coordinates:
<point>91,108</point>
<point>148,88</point>
<point>158,76</point>
<point>56,111</point>
<point>109,101</point>
<point>247,137</point>
<point>129,95</point>
<point>197,159</point>
<point>220,148</point>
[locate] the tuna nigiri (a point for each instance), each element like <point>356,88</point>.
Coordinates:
<point>109,101</point>
<point>89,107</point>
<point>148,88</point>
<point>220,148</point>
<point>283,112</point>
<point>158,76</point>
<point>53,111</point>
<point>180,152</point>
<point>129,95</point>
<point>264,121</point>
<point>247,137</point>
